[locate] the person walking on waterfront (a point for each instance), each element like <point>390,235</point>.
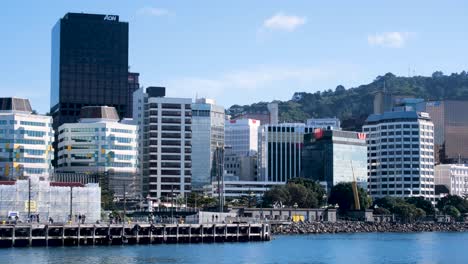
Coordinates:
<point>51,221</point>
<point>83,219</point>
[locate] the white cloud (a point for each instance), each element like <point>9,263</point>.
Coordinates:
<point>153,11</point>
<point>389,39</point>
<point>281,21</point>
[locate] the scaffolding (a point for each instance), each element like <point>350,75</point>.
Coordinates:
<point>44,199</point>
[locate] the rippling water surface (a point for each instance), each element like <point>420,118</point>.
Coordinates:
<point>342,248</point>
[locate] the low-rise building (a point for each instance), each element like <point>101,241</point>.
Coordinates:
<point>99,143</point>
<point>454,177</point>
<point>25,141</point>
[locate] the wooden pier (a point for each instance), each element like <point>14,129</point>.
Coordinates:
<point>121,234</point>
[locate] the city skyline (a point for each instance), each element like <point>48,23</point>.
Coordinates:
<point>274,47</point>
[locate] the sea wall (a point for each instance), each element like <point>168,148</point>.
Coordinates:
<point>365,227</point>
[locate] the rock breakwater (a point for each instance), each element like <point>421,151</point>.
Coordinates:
<point>366,227</point>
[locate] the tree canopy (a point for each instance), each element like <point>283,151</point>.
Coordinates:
<point>408,209</point>
<point>304,193</point>
<point>458,202</point>
<point>342,194</point>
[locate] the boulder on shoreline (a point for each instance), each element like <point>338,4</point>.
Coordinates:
<point>366,227</point>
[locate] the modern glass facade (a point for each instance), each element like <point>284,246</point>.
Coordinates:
<point>450,130</point>
<point>333,156</point>
<point>208,133</point>
<point>89,65</point>
<point>280,148</point>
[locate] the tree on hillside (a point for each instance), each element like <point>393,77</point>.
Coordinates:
<point>353,105</point>
<point>342,194</point>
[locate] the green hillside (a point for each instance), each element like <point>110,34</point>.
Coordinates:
<point>353,105</point>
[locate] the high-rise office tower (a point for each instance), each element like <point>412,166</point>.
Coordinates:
<point>400,154</point>
<point>279,151</point>
<point>89,66</point>
<point>450,129</point>
<point>100,144</point>
<point>241,136</point>
<point>165,126</point>
<point>208,134</point>
<point>25,141</point>
<point>333,156</point>
<point>133,85</point>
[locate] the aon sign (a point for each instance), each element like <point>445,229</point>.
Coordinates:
<point>110,18</point>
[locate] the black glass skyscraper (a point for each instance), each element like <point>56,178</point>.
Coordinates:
<point>89,65</point>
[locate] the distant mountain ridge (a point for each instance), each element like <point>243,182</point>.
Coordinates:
<point>353,105</point>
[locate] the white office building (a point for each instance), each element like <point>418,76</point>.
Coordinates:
<point>25,141</point>
<point>280,150</point>
<point>400,154</point>
<point>241,136</point>
<point>99,143</point>
<point>454,177</point>
<point>208,134</point>
<point>166,140</point>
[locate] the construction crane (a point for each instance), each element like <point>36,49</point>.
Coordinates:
<point>357,204</point>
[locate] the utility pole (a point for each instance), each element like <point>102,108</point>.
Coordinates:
<point>124,202</point>
<point>219,157</point>
<point>71,203</point>
<point>29,198</point>
<point>172,203</point>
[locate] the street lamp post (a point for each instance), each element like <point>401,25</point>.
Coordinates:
<point>71,203</point>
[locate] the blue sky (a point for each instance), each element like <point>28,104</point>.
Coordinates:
<point>240,52</point>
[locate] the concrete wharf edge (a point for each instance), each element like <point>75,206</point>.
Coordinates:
<point>122,234</point>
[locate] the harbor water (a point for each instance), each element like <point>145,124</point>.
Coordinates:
<point>359,248</point>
